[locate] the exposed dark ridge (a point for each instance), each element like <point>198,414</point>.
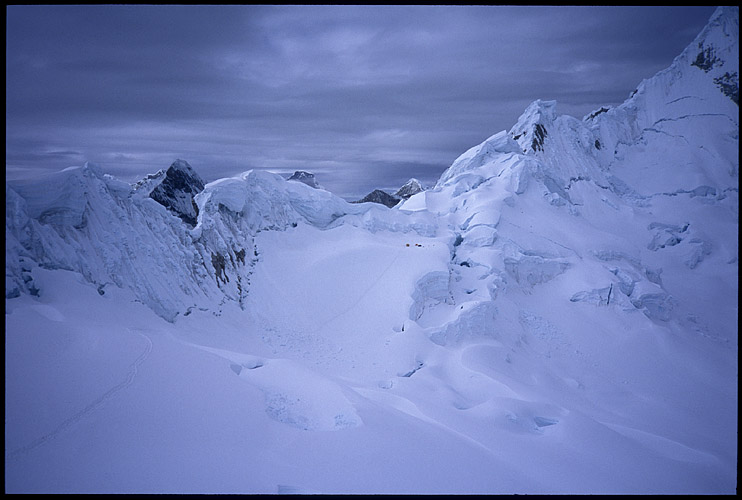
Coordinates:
<point>177,189</point>
<point>706,59</point>
<point>379,196</point>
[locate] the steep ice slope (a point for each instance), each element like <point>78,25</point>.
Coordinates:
<point>643,191</point>
<point>83,220</point>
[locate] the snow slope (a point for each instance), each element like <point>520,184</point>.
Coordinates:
<point>557,315</point>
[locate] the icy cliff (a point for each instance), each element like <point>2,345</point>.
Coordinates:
<point>83,220</point>
<point>631,200</point>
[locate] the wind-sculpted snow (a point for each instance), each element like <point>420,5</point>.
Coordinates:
<point>96,228</point>
<point>431,289</point>
<point>479,156</point>
<point>83,220</point>
<point>476,323</point>
<point>553,187</point>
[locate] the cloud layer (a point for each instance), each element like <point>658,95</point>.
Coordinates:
<point>364,96</point>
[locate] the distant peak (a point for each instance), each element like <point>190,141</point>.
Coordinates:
<point>174,188</point>
<point>182,165</point>
<point>413,182</point>
<point>182,176</point>
<point>381,197</point>
<point>532,128</point>
<point>413,186</point>
<point>305,177</point>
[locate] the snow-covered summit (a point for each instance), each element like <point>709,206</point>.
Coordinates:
<point>649,172</point>
<point>530,130</point>
<point>381,197</point>
<point>696,96</point>
<point>413,186</point>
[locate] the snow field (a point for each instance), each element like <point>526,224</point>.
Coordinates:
<point>557,315</point>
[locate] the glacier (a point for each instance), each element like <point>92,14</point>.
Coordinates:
<point>558,314</point>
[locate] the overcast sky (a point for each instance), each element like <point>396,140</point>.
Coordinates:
<point>363,96</point>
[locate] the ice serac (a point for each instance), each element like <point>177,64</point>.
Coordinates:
<point>575,207</point>
<point>86,221</point>
<point>174,189</point>
<point>693,105</point>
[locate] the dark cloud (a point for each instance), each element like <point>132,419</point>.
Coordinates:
<point>365,96</point>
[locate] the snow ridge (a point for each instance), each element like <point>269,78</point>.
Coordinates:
<point>83,220</point>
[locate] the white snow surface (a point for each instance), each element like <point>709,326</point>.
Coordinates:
<point>557,315</point>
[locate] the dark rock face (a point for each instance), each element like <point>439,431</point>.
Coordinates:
<point>603,109</point>
<point>379,196</point>
<point>539,134</point>
<point>179,184</point>
<point>728,83</point>
<point>305,177</point>
<point>706,59</point>
<point>410,188</point>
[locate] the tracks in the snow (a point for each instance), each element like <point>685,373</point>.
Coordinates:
<point>89,408</point>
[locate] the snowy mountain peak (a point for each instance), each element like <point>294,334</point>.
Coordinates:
<point>671,146</point>
<point>183,166</point>
<point>532,128</point>
<point>411,187</point>
<point>718,41</point>
<point>704,75</point>
<point>307,178</point>
<point>718,51</point>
